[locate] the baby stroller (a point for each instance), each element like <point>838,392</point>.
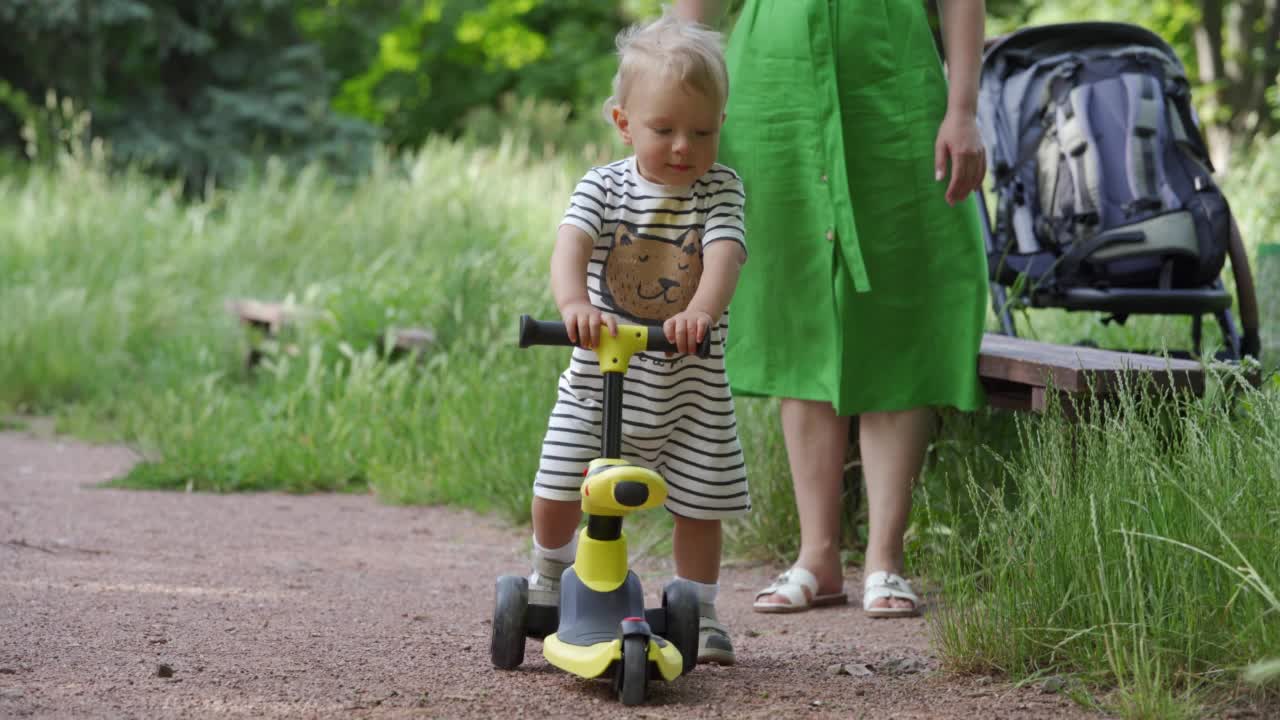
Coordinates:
<point>1105,199</point>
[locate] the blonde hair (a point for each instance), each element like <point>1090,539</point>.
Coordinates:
<point>680,50</point>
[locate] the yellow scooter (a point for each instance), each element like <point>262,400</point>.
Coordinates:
<point>601,625</point>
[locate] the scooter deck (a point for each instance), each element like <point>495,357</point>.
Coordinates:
<point>589,638</point>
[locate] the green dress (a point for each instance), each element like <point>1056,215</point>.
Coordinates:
<point>864,288</point>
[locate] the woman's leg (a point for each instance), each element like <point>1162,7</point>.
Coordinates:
<point>893,446</point>
<point>816,441</point>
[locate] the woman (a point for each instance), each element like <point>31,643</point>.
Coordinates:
<point>866,291</point>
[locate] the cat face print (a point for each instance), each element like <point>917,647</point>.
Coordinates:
<point>652,278</point>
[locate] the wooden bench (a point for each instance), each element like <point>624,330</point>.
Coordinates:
<point>1021,374</point>
<point>270,318</point>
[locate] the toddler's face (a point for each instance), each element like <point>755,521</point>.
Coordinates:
<point>674,129</point>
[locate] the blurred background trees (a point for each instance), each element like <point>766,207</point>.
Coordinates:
<point>190,88</point>
<point>201,89</point>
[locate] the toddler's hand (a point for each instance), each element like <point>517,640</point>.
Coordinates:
<point>583,320</point>
<point>686,329</point>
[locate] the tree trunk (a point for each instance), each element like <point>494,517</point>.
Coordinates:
<point>1213,71</point>
<point>1267,71</point>
<point>1236,52</point>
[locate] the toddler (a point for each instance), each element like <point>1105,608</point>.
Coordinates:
<point>655,238</point>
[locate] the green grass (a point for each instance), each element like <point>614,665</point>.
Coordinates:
<point>113,290</point>
<point>1132,553</point>
<point>1135,550</point>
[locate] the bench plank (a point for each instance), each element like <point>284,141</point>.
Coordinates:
<point>268,316</point>
<point>412,338</point>
<point>272,317</point>
<point>1071,367</point>
<point>1017,372</point>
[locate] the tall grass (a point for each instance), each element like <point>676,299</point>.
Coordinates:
<point>1133,551</point>
<point>113,291</point>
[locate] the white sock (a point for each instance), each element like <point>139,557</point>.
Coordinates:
<point>706,592</point>
<point>564,553</point>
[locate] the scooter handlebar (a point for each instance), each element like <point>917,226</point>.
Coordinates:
<point>553,332</point>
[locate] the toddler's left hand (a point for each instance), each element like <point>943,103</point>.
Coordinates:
<point>686,329</point>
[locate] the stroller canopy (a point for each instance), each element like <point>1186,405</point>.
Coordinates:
<point>1015,69</point>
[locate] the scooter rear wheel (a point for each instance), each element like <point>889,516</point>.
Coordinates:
<point>506,643</point>
<point>680,606</point>
<point>631,678</point>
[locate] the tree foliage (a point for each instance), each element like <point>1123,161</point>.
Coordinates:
<point>200,88</point>
<point>440,59</point>
<point>191,88</point>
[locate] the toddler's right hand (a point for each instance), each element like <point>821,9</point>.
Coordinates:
<point>583,320</point>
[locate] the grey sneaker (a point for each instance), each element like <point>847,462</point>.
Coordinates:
<point>714,645</point>
<point>544,583</point>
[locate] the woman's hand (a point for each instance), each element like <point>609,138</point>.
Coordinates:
<point>583,320</point>
<point>960,142</point>
<point>686,329</point>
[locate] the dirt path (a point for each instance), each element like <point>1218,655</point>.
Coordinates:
<point>338,606</point>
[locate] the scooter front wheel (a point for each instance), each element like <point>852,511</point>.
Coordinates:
<point>506,643</point>
<point>631,679</point>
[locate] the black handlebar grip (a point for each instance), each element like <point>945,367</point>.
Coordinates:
<point>658,342</point>
<point>542,332</point>
<point>553,332</point>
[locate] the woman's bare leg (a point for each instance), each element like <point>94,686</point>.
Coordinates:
<point>816,441</point>
<point>893,446</point>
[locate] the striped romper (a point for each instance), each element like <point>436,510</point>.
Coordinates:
<point>678,416</point>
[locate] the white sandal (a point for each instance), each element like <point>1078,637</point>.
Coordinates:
<point>797,586</point>
<point>888,585</point>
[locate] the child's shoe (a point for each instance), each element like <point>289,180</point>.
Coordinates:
<point>714,645</point>
<point>544,583</point>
